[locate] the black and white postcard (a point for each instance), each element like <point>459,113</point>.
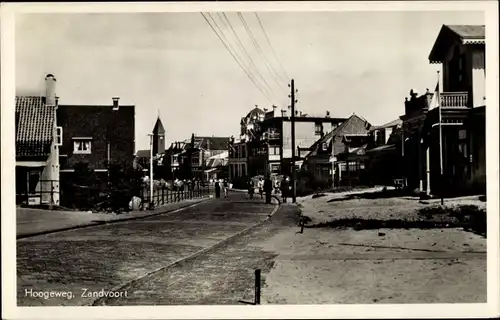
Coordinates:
<point>250,160</point>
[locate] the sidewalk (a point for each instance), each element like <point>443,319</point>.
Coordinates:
<point>31,222</point>
<point>325,265</point>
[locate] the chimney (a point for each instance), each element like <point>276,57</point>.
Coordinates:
<point>50,90</point>
<point>116,106</point>
<point>328,114</point>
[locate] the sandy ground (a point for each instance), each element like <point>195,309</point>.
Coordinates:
<point>329,266</point>
<point>320,210</point>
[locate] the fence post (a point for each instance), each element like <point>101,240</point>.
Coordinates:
<point>257,286</point>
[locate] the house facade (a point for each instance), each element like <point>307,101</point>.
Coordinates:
<point>38,139</point>
<point>95,135</point>
<point>270,152</point>
<point>338,157</point>
<point>52,138</point>
<point>193,155</point>
<point>237,162</point>
<point>448,156</point>
<point>384,155</point>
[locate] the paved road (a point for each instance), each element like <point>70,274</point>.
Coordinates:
<point>106,257</point>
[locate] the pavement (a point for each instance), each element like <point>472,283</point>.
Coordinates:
<point>207,254</point>
<point>67,266</point>
<point>31,222</point>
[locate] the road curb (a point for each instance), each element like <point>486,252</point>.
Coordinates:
<point>100,302</point>
<point>100,223</point>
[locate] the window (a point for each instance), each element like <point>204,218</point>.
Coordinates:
<point>82,146</point>
<point>195,159</point>
<point>243,152</point>
<point>174,159</point>
<point>462,134</point>
<point>324,146</point>
<point>275,168</point>
<point>318,129</point>
<point>59,133</point>
<point>274,150</point>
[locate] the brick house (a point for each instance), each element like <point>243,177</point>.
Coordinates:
<point>97,135</point>
<point>330,155</point>
<point>461,104</point>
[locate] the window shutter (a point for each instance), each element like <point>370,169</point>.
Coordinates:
<point>59,136</point>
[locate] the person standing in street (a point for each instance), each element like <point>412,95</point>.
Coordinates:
<point>226,188</point>
<point>285,186</point>
<point>268,188</point>
<point>260,184</point>
<point>217,189</point>
<point>251,188</point>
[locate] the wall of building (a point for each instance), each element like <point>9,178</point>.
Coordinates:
<point>478,76</point>
<point>103,125</point>
<point>304,136</point>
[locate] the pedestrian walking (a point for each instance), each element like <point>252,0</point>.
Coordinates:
<point>226,188</point>
<point>285,186</point>
<point>217,189</point>
<point>260,184</point>
<point>268,188</point>
<point>251,188</point>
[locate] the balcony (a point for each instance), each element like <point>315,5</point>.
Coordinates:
<point>270,136</point>
<point>454,100</point>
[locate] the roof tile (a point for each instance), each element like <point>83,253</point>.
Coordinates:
<point>35,126</point>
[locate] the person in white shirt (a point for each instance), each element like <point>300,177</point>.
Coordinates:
<point>260,185</point>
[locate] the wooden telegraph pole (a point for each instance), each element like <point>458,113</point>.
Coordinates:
<point>293,178</point>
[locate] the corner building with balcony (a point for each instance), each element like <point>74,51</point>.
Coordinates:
<point>460,49</point>
<point>269,150</point>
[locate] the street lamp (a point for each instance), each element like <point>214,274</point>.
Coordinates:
<point>151,135</point>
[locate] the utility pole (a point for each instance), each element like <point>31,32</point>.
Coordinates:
<point>292,97</point>
<point>440,139</point>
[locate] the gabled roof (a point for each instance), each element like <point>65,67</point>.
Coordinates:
<point>34,126</point>
<point>208,143</point>
<point>143,153</point>
<point>397,122</point>
<point>450,34</point>
<point>334,133</point>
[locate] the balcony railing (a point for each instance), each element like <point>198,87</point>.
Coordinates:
<point>271,136</point>
<point>454,100</point>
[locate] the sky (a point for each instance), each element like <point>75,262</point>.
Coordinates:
<point>175,66</point>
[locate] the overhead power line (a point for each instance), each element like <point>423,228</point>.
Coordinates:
<point>234,57</point>
<point>270,68</point>
<point>224,17</point>
<point>271,46</point>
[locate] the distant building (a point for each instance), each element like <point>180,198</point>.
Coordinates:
<point>238,166</point>
<point>180,153</point>
<point>461,51</point>
<point>384,156</point>
<point>270,150</point>
<point>336,153</point>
